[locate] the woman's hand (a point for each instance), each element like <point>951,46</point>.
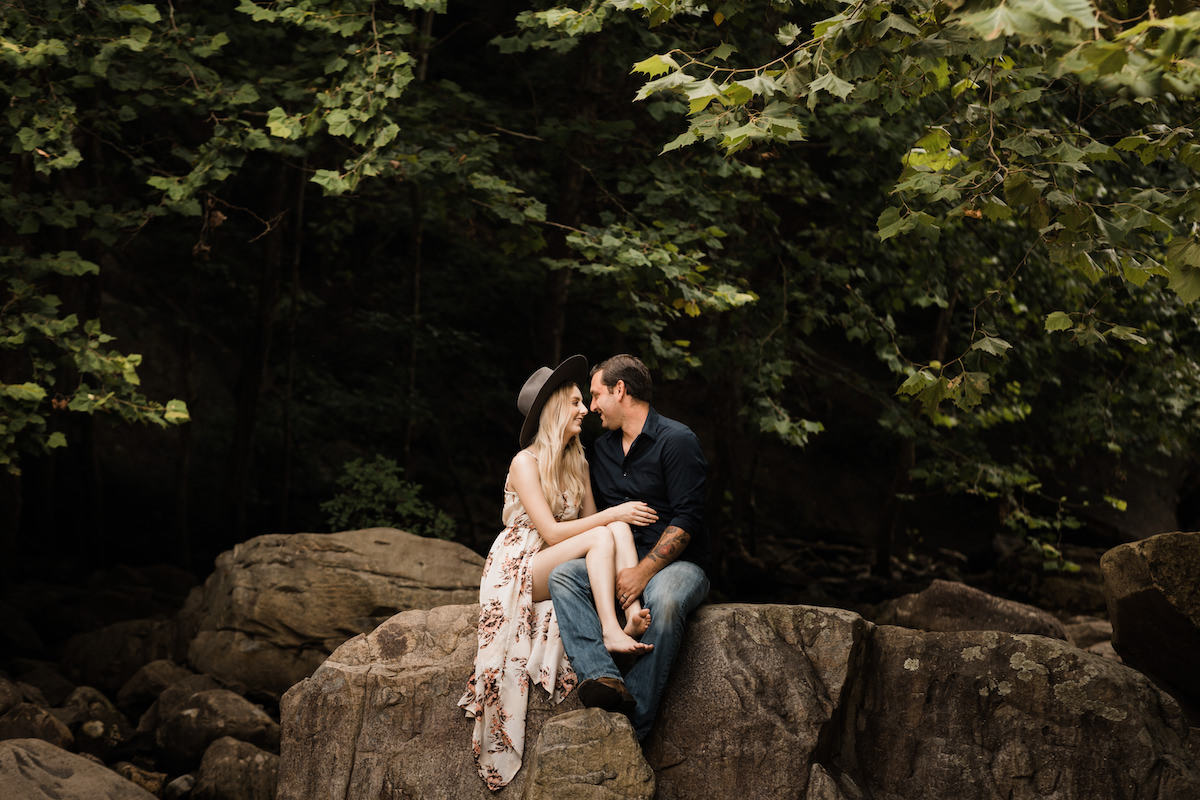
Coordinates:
<point>635,513</point>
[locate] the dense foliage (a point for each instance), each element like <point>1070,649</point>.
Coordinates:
<point>879,254</point>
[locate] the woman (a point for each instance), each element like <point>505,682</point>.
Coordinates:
<point>550,517</point>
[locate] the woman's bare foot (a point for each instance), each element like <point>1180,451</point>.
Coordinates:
<point>621,642</point>
<point>637,622</point>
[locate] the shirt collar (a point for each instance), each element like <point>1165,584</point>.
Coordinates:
<point>652,425</point>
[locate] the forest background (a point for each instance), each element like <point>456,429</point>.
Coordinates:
<point>920,274</point>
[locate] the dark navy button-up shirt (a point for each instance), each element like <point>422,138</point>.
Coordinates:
<point>666,469</point>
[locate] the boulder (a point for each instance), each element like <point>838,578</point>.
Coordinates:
<point>172,699</point>
<point>381,711</point>
<point>949,606</point>
<point>99,728</point>
<point>277,605</point>
<point>48,680</point>
<point>754,691</point>
<point>1086,632</point>
<point>109,656</point>
<point>988,714</point>
<point>236,770</point>
<point>31,769</point>
<point>765,701</point>
<point>587,755</point>
<point>10,695</point>
<point>32,694</point>
<point>188,717</point>
<point>141,690</point>
<point>1154,604</point>
<point>27,721</point>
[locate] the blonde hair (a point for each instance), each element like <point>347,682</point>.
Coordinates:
<point>561,469</point>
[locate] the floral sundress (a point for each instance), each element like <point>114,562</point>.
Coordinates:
<point>518,642</point>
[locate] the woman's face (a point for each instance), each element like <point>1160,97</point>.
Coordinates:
<point>576,411</point>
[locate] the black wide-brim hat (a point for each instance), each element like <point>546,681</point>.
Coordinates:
<point>540,385</point>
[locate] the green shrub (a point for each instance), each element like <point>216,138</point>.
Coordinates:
<point>375,496</point>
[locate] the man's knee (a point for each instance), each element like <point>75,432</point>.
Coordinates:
<point>566,576</point>
<point>673,599</point>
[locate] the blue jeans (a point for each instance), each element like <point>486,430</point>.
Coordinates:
<point>672,594</point>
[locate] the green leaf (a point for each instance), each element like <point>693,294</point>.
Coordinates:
<point>24,392</point>
<point>991,345</point>
<point>788,34</point>
<point>724,51</point>
<point>176,412</point>
<point>833,84</point>
<point>889,223</point>
<point>340,122</point>
<point>655,65</point>
<point>1059,321</point>
<point>283,126</point>
<point>682,140</point>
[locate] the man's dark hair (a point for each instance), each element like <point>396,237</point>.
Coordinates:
<point>629,369</point>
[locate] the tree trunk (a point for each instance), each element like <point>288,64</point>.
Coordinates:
<point>255,366</point>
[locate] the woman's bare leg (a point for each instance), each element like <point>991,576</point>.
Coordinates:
<point>637,619</point>
<point>599,551</point>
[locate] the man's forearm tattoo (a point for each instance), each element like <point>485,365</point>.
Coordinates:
<point>670,545</point>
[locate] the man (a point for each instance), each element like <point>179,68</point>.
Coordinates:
<point>641,456</point>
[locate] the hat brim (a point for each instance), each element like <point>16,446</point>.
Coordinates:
<point>572,370</point>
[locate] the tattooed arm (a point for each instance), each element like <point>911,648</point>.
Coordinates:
<point>632,581</point>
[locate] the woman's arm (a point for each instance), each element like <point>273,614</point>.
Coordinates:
<point>527,483</point>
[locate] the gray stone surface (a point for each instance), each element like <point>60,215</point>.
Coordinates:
<point>765,701</point>
<point>1153,591</point>
<point>587,755</point>
<point>951,606</point>
<point>31,769</point>
<point>277,605</point>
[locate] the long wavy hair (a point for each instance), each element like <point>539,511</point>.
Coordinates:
<point>561,469</point>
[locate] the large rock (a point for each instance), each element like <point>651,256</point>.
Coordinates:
<point>109,656</point>
<point>141,690</point>
<point>588,755</point>
<point>989,715</point>
<point>99,728</point>
<point>10,695</point>
<point>31,769</point>
<point>380,714</point>
<point>236,770</point>
<point>27,721</point>
<point>1153,589</point>
<point>193,713</point>
<point>950,606</point>
<point>277,605</point>
<point>752,693</point>
<point>765,701</point>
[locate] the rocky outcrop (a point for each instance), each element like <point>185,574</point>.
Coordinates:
<point>765,701</point>
<point>1154,603</point>
<point>277,605</point>
<point>193,713</point>
<point>236,770</point>
<point>951,606</point>
<point>28,721</point>
<point>588,755</point>
<point>31,769</point>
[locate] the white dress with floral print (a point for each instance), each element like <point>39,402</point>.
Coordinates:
<point>518,642</point>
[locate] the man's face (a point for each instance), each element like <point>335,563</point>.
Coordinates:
<point>604,403</point>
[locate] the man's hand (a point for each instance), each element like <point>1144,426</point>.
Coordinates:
<point>631,582</point>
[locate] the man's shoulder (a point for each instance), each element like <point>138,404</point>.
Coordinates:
<point>671,427</point>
